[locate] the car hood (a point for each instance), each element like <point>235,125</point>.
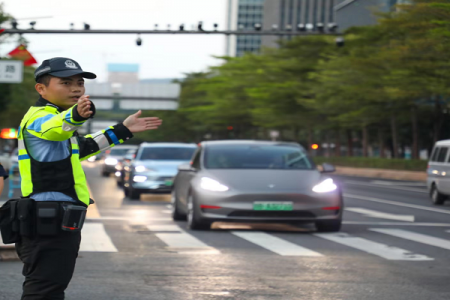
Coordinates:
<point>266,180</point>
<point>163,167</point>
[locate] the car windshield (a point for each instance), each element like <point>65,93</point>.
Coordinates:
<point>166,153</point>
<point>257,157</point>
<point>119,151</point>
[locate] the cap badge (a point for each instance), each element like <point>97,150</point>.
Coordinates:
<point>71,64</point>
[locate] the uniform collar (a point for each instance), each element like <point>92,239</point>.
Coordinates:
<point>44,102</point>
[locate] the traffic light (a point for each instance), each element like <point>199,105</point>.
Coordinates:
<point>230,128</point>
<point>314,146</point>
<point>8,133</point>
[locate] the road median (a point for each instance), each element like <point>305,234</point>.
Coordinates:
<point>382,173</point>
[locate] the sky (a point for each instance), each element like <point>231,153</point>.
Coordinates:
<point>160,56</point>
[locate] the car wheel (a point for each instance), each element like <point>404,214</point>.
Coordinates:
<point>436,197</point>
<point>329,226</point>
<point>193,221</point>
<point>133,194</point>
<point>176,215</point>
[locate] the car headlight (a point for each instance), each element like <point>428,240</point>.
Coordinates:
<point>325,186</point>
<point>140,169</point>
<point>111,161</point>
<point>139,178</point>
<point>212,185</point>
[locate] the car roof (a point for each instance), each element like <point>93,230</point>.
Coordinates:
<point>181,145</point>
<point>249,142</point>
<point>443,143</point>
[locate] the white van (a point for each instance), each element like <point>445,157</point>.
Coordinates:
<point>438,173</point>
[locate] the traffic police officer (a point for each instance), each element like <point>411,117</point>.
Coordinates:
<point>3,176</point>
<point>53,182</point>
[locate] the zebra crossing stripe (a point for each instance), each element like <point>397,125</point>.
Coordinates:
<point>378,249</point>
<point>181,241</point>
<point>416,237</point>
<point>95,239</point>
<point>275,244</point>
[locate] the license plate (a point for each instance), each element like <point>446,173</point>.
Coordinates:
<point>260,205</point>
<point>168,182</point>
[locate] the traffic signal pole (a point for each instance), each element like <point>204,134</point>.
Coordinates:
<point>223,32</point>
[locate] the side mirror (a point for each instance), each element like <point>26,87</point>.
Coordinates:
<point>327,168</point>
<point>186,168</point>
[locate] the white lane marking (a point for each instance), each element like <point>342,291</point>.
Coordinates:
<point>421,184</point>
<point>384,186</point>
<point>181,241</point>
<point>381,215</point>
<point>398,224</point>
<point>169,206</point>
<point>160,228</point>
<point>442,211</point>
<point>166,211</point>
<point>95,239</point>
<point>378,249</point>
<point>416,237</point>
<point>275,244</point>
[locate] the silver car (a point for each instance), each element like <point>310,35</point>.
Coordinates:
<point>154,167</point>
<point>255,181</point>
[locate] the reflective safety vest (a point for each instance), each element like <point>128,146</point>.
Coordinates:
<point>66,176</point>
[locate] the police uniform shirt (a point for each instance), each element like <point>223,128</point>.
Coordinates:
<point>3,172</point>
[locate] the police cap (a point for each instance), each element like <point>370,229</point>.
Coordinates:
<point>61,67</point>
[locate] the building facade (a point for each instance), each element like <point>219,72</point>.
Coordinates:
<point>351,13</point>
<point>243,15</point>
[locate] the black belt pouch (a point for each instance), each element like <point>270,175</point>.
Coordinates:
<point>25,214</point>
<point>9,223</point>
<point>48,221</point>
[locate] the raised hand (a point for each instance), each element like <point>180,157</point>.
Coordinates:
<point>84,106</point>
<point>136,124</point>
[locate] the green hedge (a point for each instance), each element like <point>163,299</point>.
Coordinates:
<point>376,163</point>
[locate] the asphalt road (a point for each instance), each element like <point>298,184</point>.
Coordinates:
<point>393,245</point>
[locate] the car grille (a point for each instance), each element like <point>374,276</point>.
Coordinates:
<point>272,214</point>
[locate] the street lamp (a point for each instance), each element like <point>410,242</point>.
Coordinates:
<point>332,27</point>
<point>257,26</point>
<point>182,27</point>
<point>309,27</point>
<point>14,23</point>
<point>200,26</point>
<point>288,27</point>
<point>274,27</point>
<point>87,26</point>
<point>216,26</point>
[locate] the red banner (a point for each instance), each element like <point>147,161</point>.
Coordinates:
<point>22,53</point>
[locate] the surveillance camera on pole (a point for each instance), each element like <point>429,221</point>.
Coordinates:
<point>200,26</point>
<point>182,27</point>
<point>32,23</point>
<point>87,26</point>
<point>139,41</point>
<point>320,27</point>
<point>216,26</point>
<point>301,27</point>
<point>340,41</point>
<point>14,23</point>
<point>332,27</point>
<point>257,26</point>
